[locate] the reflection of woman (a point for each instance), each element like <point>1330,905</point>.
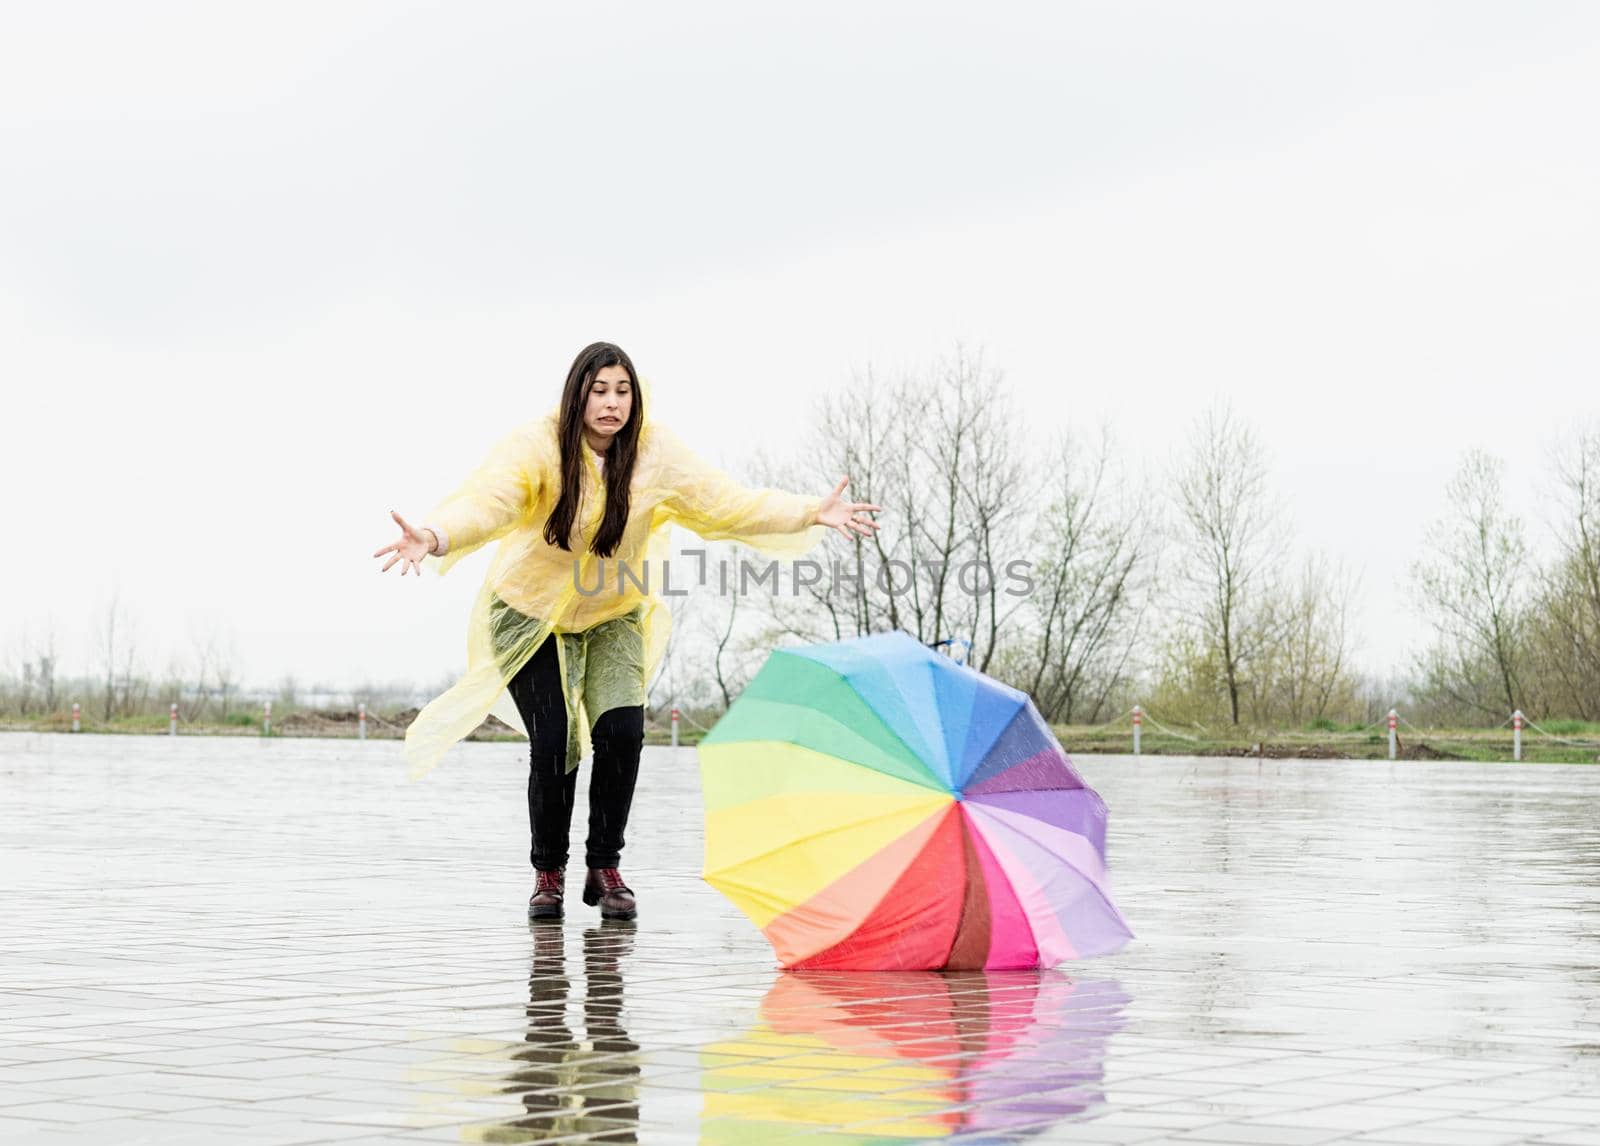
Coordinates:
<point>583,499</point>
<point>571,1085</point>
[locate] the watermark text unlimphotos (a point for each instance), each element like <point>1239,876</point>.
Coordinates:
<point>744,577</point>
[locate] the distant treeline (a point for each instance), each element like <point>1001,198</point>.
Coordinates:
<point>1181,589</point>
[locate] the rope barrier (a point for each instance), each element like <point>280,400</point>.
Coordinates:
<point>665,725</point>
<point>1479,736</point>
<point>1109,722</point>
<point>1559,739</point>
<point>1171,732</point>
<point>1441,734</point>
<point>687,719</point>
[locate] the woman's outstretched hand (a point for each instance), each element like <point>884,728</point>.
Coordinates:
<point>848,517</point>
<point>413,545</point>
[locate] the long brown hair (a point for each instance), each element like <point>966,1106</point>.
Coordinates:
<point>620,455</point>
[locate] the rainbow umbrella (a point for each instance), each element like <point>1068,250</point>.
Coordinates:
<point>872,805</point>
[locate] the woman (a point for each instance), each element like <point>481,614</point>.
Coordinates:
<point>582,500</point>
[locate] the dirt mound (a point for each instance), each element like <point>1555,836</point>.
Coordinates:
<point>492,726</point>
<point>330,723</point>
<point>1279,752</point>
<point>1424,751</point>
<point>321,716</point>
<point>312,722</point>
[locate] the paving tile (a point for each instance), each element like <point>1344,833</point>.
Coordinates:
<point>1426,1135</point>
<point>1512,1127</point>
<point>1269,1134</point>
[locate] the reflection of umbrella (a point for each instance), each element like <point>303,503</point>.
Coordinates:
<point>912,1055</point>
<point>873,805</point>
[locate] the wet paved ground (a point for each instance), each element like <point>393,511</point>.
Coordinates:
<point>281,942</point>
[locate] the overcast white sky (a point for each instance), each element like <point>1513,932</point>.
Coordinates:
<point>268,270</point>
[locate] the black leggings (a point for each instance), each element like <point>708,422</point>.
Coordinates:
<point>618,737</point>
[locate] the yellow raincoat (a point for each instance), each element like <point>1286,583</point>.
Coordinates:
<point>508,498</point>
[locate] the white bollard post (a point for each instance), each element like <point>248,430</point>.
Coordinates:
<point>266,720</point>
<point>1516,735</point>
<point>77,722</point>
<point>172,719</point>
<point>361,721</point>
<point>674,726</point>
<point>1138,726</point>
<point>1394,731</point>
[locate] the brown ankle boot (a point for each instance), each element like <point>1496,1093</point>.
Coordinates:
<point>605,887</point>
<point>548,893</point>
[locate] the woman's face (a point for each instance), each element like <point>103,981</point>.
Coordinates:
<point>609,406</point>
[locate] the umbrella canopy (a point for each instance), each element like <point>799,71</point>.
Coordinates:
<point>873,805</point>
<point>912,1056</point>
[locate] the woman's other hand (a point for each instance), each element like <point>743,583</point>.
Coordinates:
<point>848,517</point>
<point>411,547</point>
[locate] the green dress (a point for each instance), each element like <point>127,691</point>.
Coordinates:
<point>602,667</point>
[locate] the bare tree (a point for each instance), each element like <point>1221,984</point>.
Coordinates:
<point>216,656</point>
<point>19,667</point>
<point>46,666</point>
<point>1231,532</point>
<point>992,502</point>
<point>203,644</point>
<point>1313,677</point>
<point>1565,627</point>
<point>171,687</point>
<point>288,693</point>
<point>938,450</point>
<point>1090,583</point>
<point>32,657</point>
<point>957,483</point>
<point>826,603</point>
<point>724,638</point>
<point>858,433</point>
<point>1473,585</point>
<point>227,681</point>
<point>108,634</point>
<point>133,683</point>
<point>713,630</point>
<point>865,429</point>
<point>674,681</point>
